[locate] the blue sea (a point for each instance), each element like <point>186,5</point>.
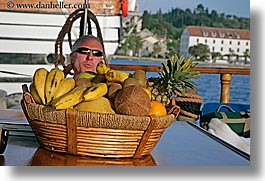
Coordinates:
<point>208,85</point>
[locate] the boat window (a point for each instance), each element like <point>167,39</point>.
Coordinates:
<point>50,58</point>
<point>22,58</point>
<point>26,58</point>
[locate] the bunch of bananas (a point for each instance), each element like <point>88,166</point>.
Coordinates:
<point>48,86</point>
<point>112,75</point>
<point>90,92</point>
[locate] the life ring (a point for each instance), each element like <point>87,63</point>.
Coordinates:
<point>124,8</point>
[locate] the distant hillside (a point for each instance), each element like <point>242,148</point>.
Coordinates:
<point>172,23</point>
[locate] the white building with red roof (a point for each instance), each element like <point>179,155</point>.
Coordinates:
<point>222,40</point>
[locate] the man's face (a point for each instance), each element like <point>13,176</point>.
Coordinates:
<point>88,58</point>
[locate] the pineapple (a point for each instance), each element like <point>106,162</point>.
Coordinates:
<point>175,76</point>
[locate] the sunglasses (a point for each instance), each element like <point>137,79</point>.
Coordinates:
<point>86,51</point>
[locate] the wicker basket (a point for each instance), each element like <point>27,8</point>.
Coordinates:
<point>94,134</point>
<point>190,105</point>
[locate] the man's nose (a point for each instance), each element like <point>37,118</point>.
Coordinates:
<point>89,55</point>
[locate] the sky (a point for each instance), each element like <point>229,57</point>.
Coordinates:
<point>240,8</point>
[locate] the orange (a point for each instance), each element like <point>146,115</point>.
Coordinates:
<point>157,109</point>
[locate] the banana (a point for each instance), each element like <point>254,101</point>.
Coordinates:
<point>39,81</point>
<point>54,78</point>
<point>34,94</point>
<point>65,86</point>
<point>86,75</point>
<point>148,92</point>
<point>95,92</point>
<point>70,99</point>
<point>102,68</point>
<point>101,105</point>
<point>117,76</point>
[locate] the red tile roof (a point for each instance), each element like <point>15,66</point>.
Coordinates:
<point>218,32</point>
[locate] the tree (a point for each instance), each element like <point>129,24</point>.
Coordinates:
<point>132,42</point>
<point>138,45</point>
<point>157,49</point>
<point>246,55</point>
<point>147,20</point>
<point>214,15</point>
<point>215,55</point>
<point>231,54</point>
<point>200,52</point>
<point>171,48</point>
<point>124,47</point>
<point>200,9</point>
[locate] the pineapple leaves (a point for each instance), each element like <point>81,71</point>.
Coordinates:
<point>176,75</point>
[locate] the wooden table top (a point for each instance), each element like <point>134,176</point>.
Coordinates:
<point>182,144</point>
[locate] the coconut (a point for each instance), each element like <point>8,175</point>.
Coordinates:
<point>132,100</point>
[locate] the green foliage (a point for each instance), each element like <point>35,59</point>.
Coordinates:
<point>215,55</point>
<point>200,52</point>
<point>132,42</point>
<point>157,50</point>
<point>176,75</point>
<point>174,22</point>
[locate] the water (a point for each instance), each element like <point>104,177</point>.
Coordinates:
<point>208,85</point>
<point>209,88</point>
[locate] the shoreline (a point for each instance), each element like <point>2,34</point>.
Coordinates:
<point>164,60</point>
<point>137,58</point>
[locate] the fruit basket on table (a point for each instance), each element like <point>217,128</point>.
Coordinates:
<point>62,123</point>
<point>94,134</point>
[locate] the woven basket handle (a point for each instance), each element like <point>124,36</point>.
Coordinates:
<point>174,109</point>
<point>66,29</point>
<point>27,97</point>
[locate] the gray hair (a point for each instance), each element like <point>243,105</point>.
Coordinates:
<point>80,39</point>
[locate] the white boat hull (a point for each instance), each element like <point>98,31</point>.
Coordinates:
<point>23,73</point>
<point>24,32</point>
<point>35,34</point>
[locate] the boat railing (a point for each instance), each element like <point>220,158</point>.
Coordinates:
<point>225,75</point>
